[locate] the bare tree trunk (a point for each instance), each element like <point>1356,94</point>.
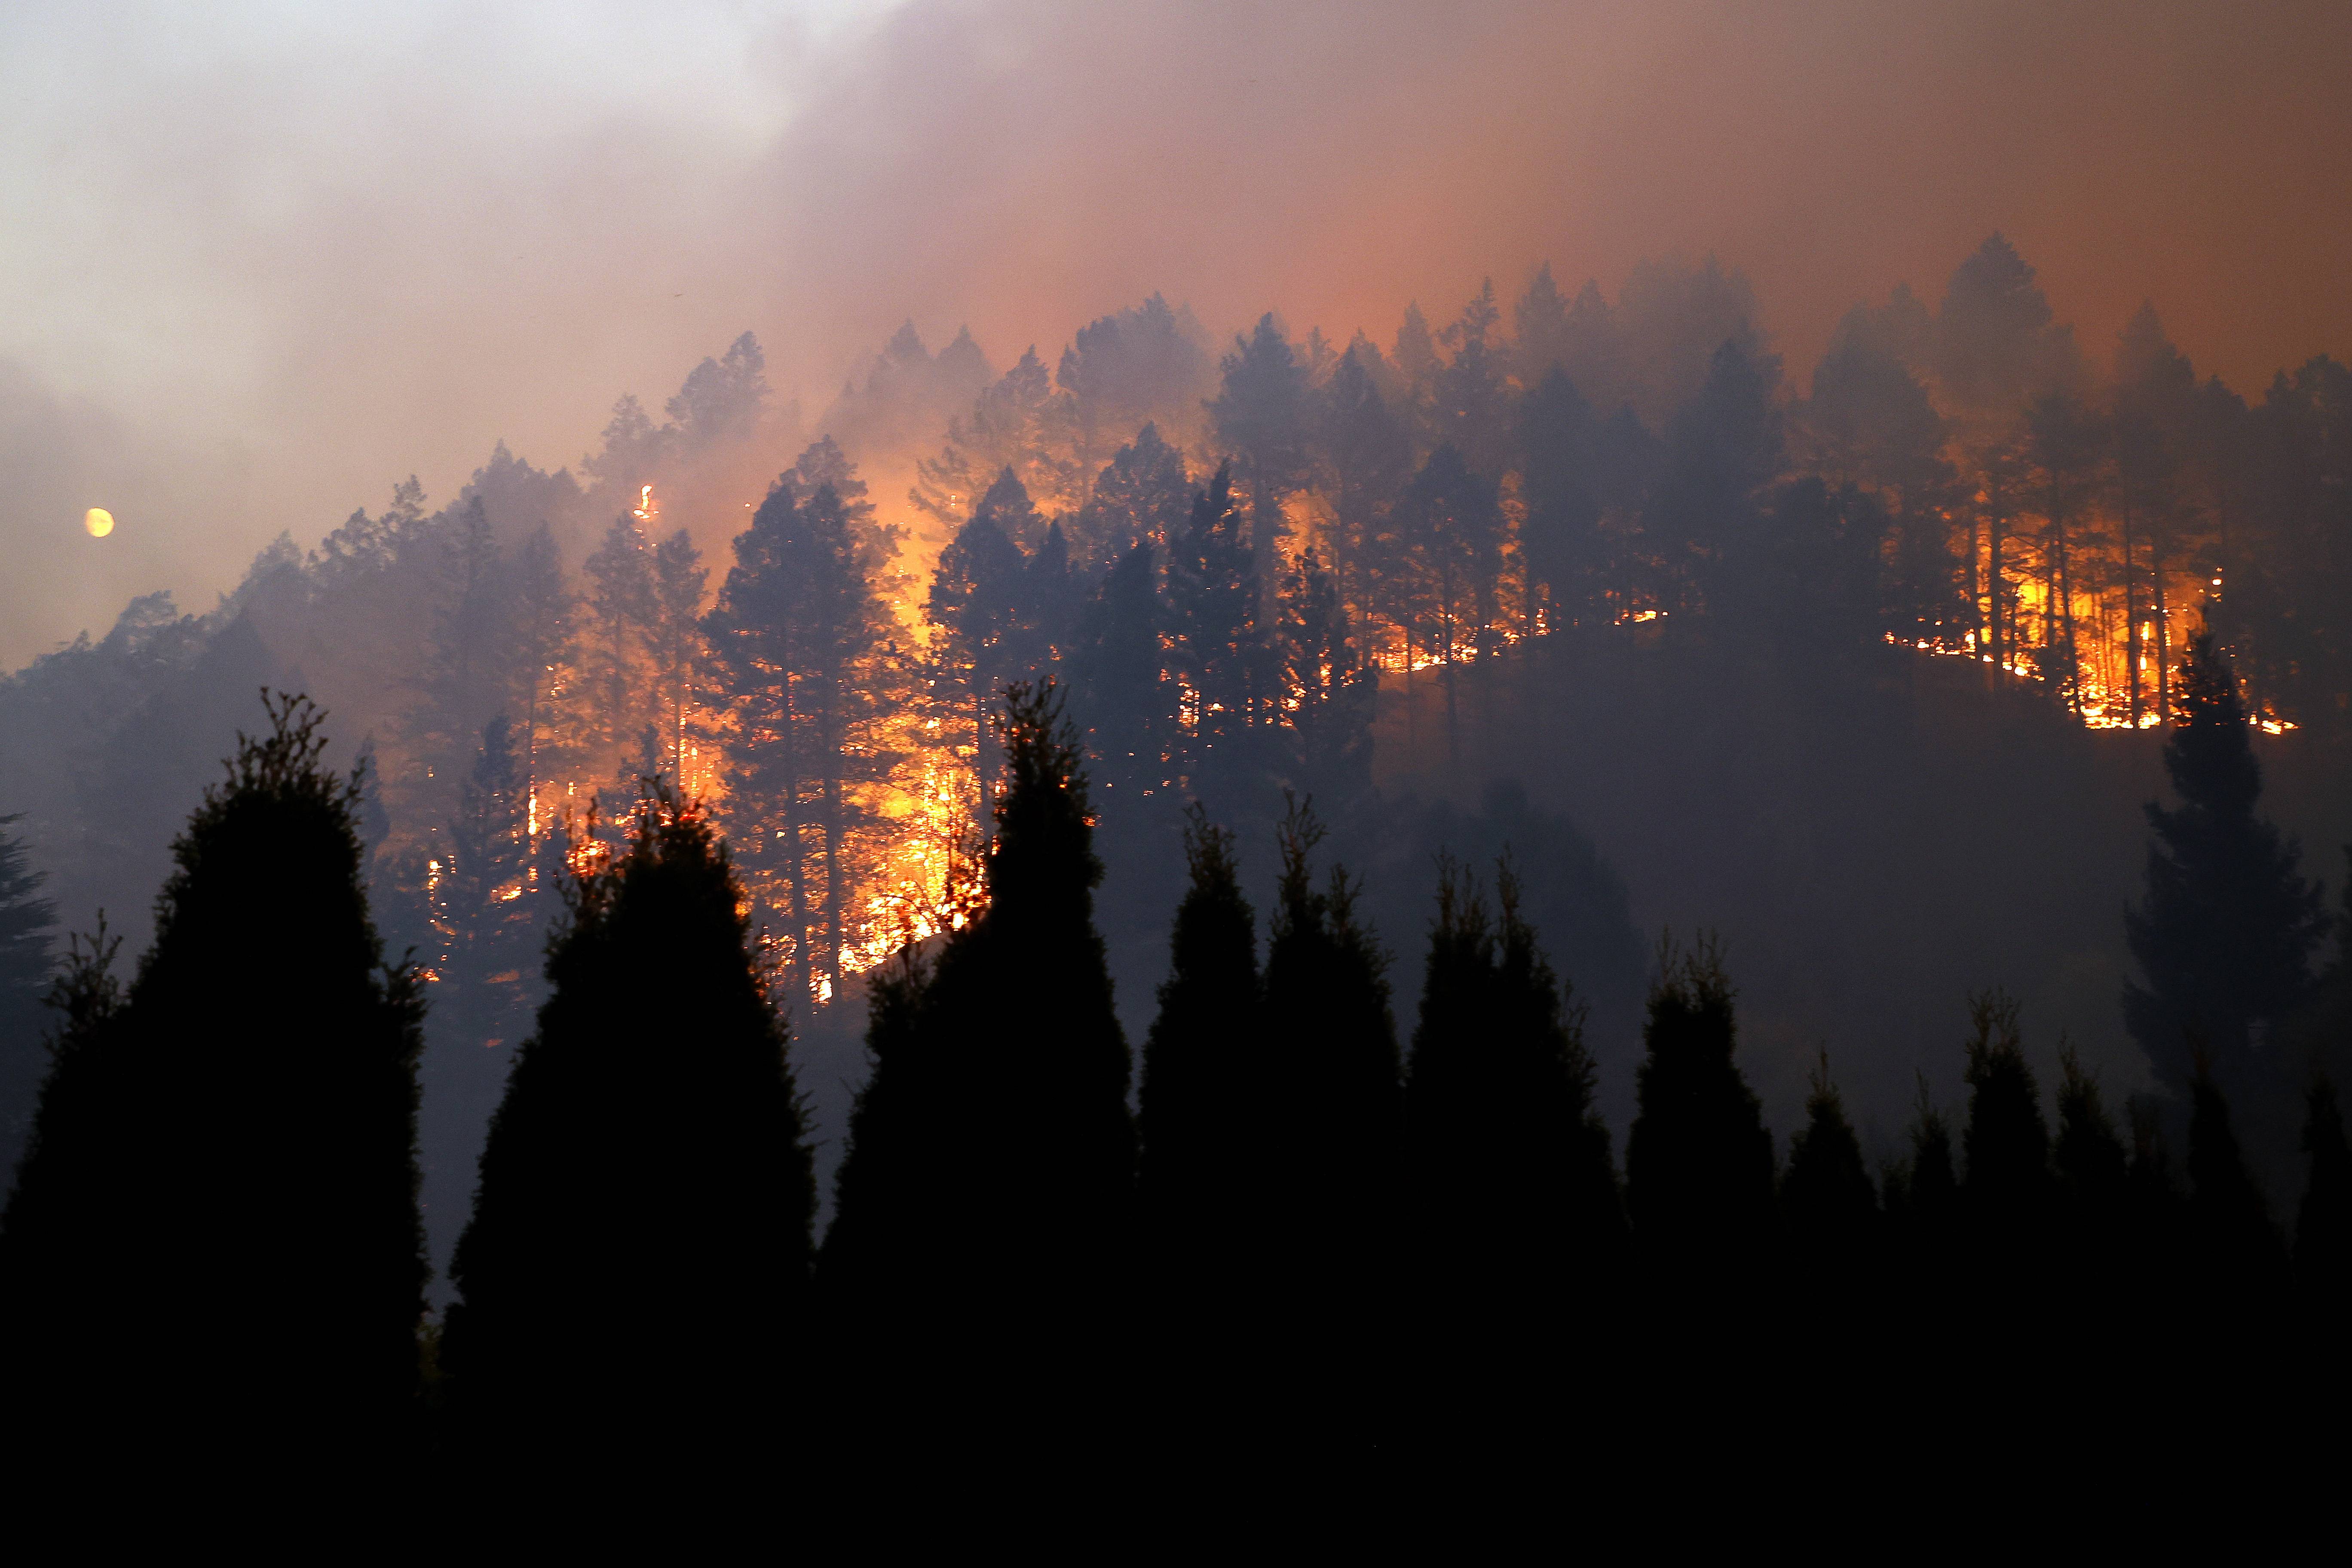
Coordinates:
<point>834,892</point>
<point>2131,620</point>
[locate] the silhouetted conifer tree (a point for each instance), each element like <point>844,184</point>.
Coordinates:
<point>2235,1254</point>
<point>640,1248</point>
<point>1698,1164</point>
<point>2094,1186</point>
<point>1518,1221</point>
<point>991,1155</point>
<point>1201,1066</point>
<point>1331,1143</point>
<point>25,921</point>
<point>1828,1200</point>
<point>2006,1195</point>
<point>2323,1228</point>
<point>1925,1228</point>
<point>218,1214</point>
<point>2224,939</point>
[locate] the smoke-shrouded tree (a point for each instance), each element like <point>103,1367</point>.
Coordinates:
<point>1329,685</point>
<point>223,1171</point>
<point>1367,455</point>
<point>650,1134</point>
<point>1142,496</point>
<point>800,640</point>
<point>621,608</point>
<point>1217,638</point>
<point>1264,416</point>
<point>2224,936</point>
<point>974,610</point>
<point>1119,691</point>
<point>1448,555</point>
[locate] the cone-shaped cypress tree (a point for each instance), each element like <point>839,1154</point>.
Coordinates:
<point>1513,1191</point>
<point>1922,1228</point>
<point>220,1211</point>
<point>2233,1250</point>
<point>650,1143</point>
<point>991,1155</point>
<point>1698,1164</point>
<point>27,961</point>
<point>2094,1187</point>
<point>1331,1142</point>
<point>2323,1228</point>
<point>2006,1195</point>
<point>1198,1068</point>
<point>1827,1198</point>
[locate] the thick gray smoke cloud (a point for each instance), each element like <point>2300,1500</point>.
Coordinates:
<point>263,261</point>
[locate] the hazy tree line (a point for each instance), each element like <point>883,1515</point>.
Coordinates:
<point>1327,1204</point>
<point>1223,556</point>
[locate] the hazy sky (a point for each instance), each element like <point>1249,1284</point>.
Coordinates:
<point>263,261</point>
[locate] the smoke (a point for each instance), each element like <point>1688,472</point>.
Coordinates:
<point>265,261</point>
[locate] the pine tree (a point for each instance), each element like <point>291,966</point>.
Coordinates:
<point>1366,454</point>
<point>974,610</point>
<point>674,640</point>
<point>223,1171</point>
<point>1218,642</point>
<point>26,920</point>
<point>1541,323</point>
<point>1328,686</point>
<point>1472,404</point>
<point>1698,1164</point>
<point>1205,1052</point>
<point>621,605</point>
<point>545,659</point>
<point>1558,439</point>
<point>1449,528</point>
<point>1826,1196</point>
<point>1015,427</point>
<point>1119,693</point>
<point>800,640</point>
<point>2224,936</point>
<point>1264,414</point>
<point>1143,495</point>
<point>650,1134</point>
<point>1722,449</point>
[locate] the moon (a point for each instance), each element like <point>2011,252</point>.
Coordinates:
<point>98,521</point>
